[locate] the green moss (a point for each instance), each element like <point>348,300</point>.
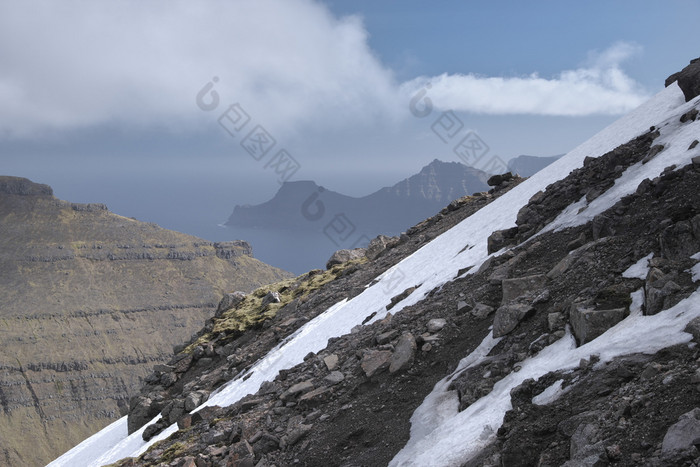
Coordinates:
<point>251,313</point>
<point>173,452</point>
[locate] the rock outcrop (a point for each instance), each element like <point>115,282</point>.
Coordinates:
<point>91,301</point>
<point>688,80</point>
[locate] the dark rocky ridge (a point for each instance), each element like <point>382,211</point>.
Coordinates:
<point>90,302</point>
<point>350,405</point>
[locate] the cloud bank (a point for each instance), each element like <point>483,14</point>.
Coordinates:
<point>290,63</point>
<point>601,88</point>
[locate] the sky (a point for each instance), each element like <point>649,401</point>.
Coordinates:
<point>173,111</point>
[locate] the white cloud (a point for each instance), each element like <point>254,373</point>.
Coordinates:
<point>290,63</point>
<point>601,87</point>
<point>76,63</point>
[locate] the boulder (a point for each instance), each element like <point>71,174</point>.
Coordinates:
<point>377,246</point>
<point>271,297</point>
<point>386,337</point>
<point>688,80</point>
<point>195,399</point>
<point>436,324</point>
<point>481,311</point>
<point>334,377</point>
<point>331,362</point>
<point>404,353</point>
<point>343,256</point>
<point>229,301</point>
<point>684,434</point>
<point>589,323</point>
<point>299,388</point>
<point>508,317</point>
<point>496,180</point>
<point>693,327</point>
<point>522,286</point>
<point>375,361</point>
<point>141,410</point>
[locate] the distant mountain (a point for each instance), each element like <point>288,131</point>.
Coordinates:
<point>90,301</point>
<point>526,166</point>
<point>304,205</point>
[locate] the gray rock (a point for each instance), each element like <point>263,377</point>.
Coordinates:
<point>195,399</point>
<point>693,327</point>
<point>522,286</point>
<point>298,433</point>
<point>271,297</point>
<point>555,321</point>
<point>386,337</point>
<point>436,324</point>
<point>343,256</point>
<point>688,80</point>
<point>508,317</point>
<point>331,362</point>
<point>168,379</point>
<point>299,388</point>
<point>334,377</point>
<point>589,323</point>
<point>684,434</point>
<point>481,310</point>
<point>375,361</point>
<point>163,368</point>
<point>404,353</point>
<point>229,301</point>
<point>584,442</point>
<point>461,305</point>
<point>141,411</point>
<point>377,246</point>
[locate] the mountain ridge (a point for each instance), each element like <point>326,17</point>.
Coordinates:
<point>388,210</point>
<point>84,291</point>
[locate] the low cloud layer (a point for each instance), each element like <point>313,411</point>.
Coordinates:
<point>290,63</point>
<point>600,88</point>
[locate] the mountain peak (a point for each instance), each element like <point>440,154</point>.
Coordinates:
<point>23,187</point>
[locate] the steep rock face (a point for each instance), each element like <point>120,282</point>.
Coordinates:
<point>90,302</point>
<point>688,80</point>
<point>301,205</point>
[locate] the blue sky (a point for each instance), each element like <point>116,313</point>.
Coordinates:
<point>99,100</point>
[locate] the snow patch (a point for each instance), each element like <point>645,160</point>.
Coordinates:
<point>459,437</point>
<point>550,394</point>
<point>640,269</point>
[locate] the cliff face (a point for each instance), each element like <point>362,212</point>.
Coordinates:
<point>90,302</point>
<point>387,211</point>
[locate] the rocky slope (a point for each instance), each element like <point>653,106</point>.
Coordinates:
<point>567,334</point>
<point>388,210</point>
<point>90,302</point>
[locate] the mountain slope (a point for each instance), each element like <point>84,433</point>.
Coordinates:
<point>508,329</point>
<point>90,301</point>
<point>388,210</point>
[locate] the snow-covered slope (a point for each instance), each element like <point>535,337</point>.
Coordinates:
<point>437,263</point>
